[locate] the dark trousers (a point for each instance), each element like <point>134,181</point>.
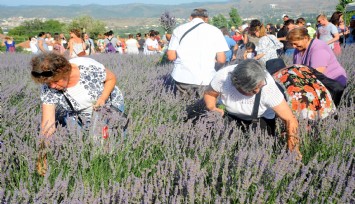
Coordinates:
<point>189,90</point>
<point>265,124</point>
<point>198,109</point>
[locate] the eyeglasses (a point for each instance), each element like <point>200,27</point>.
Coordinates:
<point>254,90</point>
<point>42,74</point>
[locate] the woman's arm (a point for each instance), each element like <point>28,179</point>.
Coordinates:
<point>48,119</point>
<point>151,48</point>
<point>284,112</point>
<point>109,85</point>
<point>84,44</point>
<point>210,97</point>
<point>40,46</point>
<point>171,55</point>
<point>257,57</point>
<point>320,69</point>
<point>70,43</point>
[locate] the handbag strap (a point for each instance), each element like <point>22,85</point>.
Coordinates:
<point>189,30</point>
<point>254,114</point>
<point>272,40</point>
<point>72,107</point>
<point>307,52</point>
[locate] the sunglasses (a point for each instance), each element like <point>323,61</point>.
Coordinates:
<point>42,74</point>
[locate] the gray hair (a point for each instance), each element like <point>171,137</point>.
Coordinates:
<point>248,74</point>
<point>199,12</point>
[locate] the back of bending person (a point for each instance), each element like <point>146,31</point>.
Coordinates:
<point>237,87</point>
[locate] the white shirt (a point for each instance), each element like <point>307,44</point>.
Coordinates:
<point>150,42</point>
<point>196,53</point>
<point>131,45</point>
<point>49,41</point>
<point>33,45</point>
<point>240,105</point>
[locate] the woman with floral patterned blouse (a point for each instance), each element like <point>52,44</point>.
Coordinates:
<point>81,83</point>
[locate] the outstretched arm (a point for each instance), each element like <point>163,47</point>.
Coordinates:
<point>48,119</point>
<point>210,96</point>
<point>285,113</point>
<point>109,85</point>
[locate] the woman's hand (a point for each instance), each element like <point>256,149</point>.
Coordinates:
<point>293,142</point>
<point>219,110</point>
<point>210,97</point>
<point>285,113</point>
<point>100,102</point>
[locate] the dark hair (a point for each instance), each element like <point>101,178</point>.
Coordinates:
<point>152,34</point>
<point>301,20</point>
<point>289,21</point>
<point>54,65</point>
<point>224,30</point>
<point>199,12</point>
<point>139,34</point>
<point>41,34</point>
<point>110,33</point>
<point>130,36</point>
<point>335,19</point>
<point>250,45</point>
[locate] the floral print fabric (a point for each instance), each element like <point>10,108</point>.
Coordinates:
<point>306,95</point>
<point>92,77</point>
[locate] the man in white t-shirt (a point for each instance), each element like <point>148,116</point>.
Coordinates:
<point>195,47</point>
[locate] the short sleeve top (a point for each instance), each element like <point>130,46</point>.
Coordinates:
<point>86,91</point>
<point>240,105</point>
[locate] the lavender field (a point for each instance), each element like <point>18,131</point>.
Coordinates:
<point>161,158</point>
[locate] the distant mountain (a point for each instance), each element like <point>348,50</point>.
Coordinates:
<point>246,8</point>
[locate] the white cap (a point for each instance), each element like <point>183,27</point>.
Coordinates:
<point>308,24</point>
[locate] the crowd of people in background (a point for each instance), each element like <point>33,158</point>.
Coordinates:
<point>256,87</point>
<point>332,30</point>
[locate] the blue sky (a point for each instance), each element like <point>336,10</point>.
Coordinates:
<point>101,2</point>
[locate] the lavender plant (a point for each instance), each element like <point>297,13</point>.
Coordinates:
<point>167,21</point>
<point>162,159</point>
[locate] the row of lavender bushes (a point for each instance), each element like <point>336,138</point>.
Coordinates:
<point>163,159</point>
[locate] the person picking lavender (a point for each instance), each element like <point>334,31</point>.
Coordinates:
<point>79,86</point>
<point>251,97</point>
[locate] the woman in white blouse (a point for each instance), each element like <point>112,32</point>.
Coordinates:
<point>268,44</point>
<point>238,85</point>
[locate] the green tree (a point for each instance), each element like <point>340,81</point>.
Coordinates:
<point>341,7</point>
<point>33,27</point>
<point>234,18</point>
<point>87,24</point>
<point>342,4</point>
<point>1,32</point>
<point>219,21</point>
